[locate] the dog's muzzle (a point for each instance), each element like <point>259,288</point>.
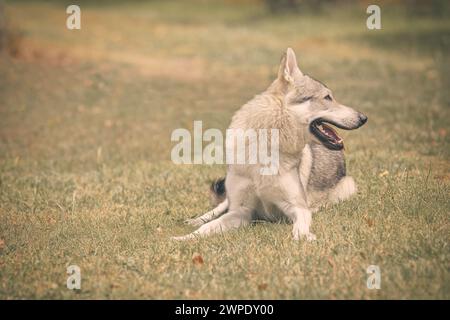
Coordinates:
<point>326,134</point>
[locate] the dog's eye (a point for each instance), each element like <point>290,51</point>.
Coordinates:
<point>303,99</point>
<point>328,97</point>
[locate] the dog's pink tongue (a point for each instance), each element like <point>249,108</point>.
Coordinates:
<point>331,133</point>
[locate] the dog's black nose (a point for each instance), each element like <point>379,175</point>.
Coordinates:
<point>362,119</point>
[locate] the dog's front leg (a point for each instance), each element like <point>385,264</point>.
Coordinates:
<point>294,205</point>
<point>302,223</point>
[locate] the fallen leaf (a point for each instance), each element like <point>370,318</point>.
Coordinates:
<point>197,259</point>
<point>2,244</point>
<point>384,173</point>
<point>191,294</point>
<point>262,286</point>
<point>50,220</point>
<point>331,262</point>
<point>114,285</point>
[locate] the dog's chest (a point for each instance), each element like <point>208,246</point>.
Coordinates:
<point>326,167</point>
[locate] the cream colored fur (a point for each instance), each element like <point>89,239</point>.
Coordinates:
<point>251,195</point>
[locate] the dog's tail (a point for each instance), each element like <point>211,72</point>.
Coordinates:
<point>218,191</point>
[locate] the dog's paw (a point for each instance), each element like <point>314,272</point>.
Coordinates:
<point>301,231</point>
<point>310,237</point>
<point>196,222</point>
<point>307,236</point>
<point>183,238</point>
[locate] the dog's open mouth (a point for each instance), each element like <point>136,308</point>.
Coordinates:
<point>326,134</point>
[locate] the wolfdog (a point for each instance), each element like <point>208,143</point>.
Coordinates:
<point>311,169</point>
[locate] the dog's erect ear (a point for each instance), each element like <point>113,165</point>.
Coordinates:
<point>288,67</point>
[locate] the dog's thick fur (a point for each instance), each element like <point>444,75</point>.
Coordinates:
<point>311,173</point>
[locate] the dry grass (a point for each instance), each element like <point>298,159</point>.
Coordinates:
<point>86,176</point>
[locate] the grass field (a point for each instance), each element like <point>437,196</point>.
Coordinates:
<point>86,177</point>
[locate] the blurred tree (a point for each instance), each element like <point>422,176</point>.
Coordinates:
<point>2,26</point>
<point>277,6</point>
<point>282,6</point>
<point>9,38</point>
<point>436,8</point>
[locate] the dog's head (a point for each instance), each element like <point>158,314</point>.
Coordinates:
<point>314,105</point>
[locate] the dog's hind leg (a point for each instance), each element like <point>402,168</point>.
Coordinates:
<point>345,188</point>
<point>231,220</point>
<point>241,205</point>
<point>210,215</point>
